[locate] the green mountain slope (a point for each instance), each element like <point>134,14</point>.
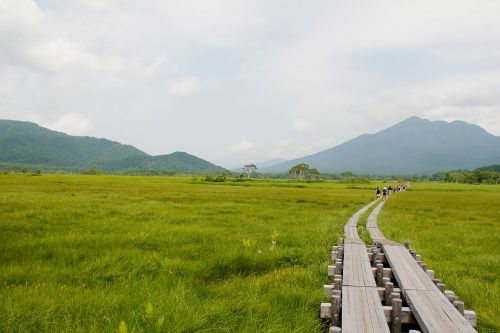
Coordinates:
<point>413,146</point>
<point>29,143</point>
<point>495,168</point>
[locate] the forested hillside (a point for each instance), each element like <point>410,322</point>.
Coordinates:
<point>28,143</point>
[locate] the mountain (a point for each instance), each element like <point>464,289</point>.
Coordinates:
<point>260,165</point>
<point>28,143</point>
<point>270,163</point>
<point>495,168</point>
<point>413,146</point>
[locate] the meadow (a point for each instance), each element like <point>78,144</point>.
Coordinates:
<point>154,254</point>
<point>456,229</point>
<point>177,254</point>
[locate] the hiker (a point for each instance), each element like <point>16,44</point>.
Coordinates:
<point>384,192</point>
<point>377,192</point>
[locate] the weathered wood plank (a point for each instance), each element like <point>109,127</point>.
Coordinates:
<point>371,225</point>
<point>432,310</point>
<point>372,218</point>
<point>361,306</point>
<point>351,232</point>
<point>435,313</point>
<point>406,270</point>
<point>357,270</point>
<point>362,310</point>
<point>375,233</point>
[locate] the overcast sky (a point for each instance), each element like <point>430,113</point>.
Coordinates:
<point>246,81</point>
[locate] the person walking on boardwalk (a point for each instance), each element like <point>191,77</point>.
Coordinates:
<point>377,192</point>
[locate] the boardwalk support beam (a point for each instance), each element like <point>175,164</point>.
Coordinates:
<point>397,306</point>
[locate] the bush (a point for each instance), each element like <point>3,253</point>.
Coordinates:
<point>93,171</point>
<point>215,178</point>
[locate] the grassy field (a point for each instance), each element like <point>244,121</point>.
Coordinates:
<point>456,229</point>
<point>165,254</point>
<point>103,253</point>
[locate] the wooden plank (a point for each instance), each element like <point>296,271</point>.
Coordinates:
<point>435,313</point>
<point>351,232</point>
<point>361,306</point>
<point>362,310</point>
<point>357,270</point>
<point>432,310</point>
<point>353,221</point>
<point>375,234</point>
<point>371,225</point>
<point>406,270</point>
<point>372,218</point>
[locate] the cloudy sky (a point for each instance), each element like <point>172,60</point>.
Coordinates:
<point>245,81</point>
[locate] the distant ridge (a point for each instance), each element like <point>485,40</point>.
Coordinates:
<point>270,163</point>
<point>260,165</point>
<point>28,143</point>
<point>494,167</point>
<point>413,146</point>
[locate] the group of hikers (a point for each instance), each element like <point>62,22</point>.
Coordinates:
<point>386,191</point>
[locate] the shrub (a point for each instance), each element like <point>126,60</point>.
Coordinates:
<point>215,178</point>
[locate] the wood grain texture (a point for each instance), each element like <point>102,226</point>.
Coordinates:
<point>362,311</point>
<point>432,310</point>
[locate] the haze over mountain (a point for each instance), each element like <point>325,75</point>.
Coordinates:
<point>413,146</point>
<point>29,143</point>
<point>261,165</point>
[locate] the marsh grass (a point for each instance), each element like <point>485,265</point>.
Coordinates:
<point>174,254</point>
<point>151,254</point>
<point>456,229</point>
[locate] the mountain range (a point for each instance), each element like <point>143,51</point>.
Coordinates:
<point>28,143</point>
<point>413,146</point>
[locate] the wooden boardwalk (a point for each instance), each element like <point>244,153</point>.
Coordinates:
<point>351,227</point>
<point>371,225</point>
<point>361,306</point>
<point>364,299</point>
<point>430,307</point>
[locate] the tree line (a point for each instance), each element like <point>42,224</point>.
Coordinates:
<point>468,177</point>
<point>302,171</point>
<point>485,175</point>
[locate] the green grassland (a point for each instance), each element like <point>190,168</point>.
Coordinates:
<point>456,229</point>
<point>84,253</point>
<point>177,254</point>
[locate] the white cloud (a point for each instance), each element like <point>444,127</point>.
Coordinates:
<point>300,125</point>
<point>243,146</point>
<point>281,149</point>
<point>72,123</point>
<point>317,75</point>
<point>185,86</point>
